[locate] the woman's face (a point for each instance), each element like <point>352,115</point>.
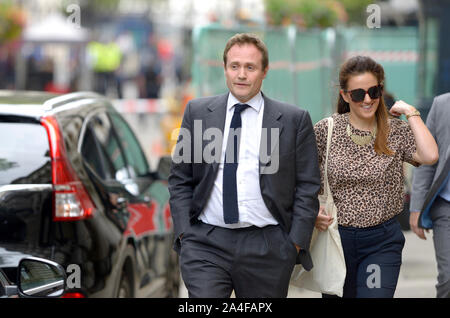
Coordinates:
<point>365,109</point>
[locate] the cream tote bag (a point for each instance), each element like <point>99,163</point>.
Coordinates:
<point>328,273</point>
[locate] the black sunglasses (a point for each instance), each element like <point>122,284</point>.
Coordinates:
<point>359,94</point>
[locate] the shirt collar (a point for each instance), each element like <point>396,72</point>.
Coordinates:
<point>255,102</point>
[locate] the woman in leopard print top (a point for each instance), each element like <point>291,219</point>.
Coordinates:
<point>365,173</point>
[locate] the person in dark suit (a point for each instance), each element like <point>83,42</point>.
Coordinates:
<point>243,185</point>
<point>430,194</point>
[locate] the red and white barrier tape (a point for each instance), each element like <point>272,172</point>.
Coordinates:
<point>140,105</point>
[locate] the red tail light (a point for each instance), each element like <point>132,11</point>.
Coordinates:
<point>73,295</point>
<point>70,199</point>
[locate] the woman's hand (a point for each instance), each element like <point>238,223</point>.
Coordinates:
<point>323,221</point>
<point>400,107</point>
<point>426,147</point>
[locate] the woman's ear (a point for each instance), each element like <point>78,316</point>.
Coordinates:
<point>344,95</point>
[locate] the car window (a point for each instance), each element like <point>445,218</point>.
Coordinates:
<point>108,147</point>
<point>137,163</point>
<point>24,154</point>
<point>91,153</point>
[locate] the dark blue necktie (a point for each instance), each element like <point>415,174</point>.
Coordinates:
<point>230,201</point>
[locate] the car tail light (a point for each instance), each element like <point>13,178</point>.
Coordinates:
<point>70,199</point>
<point>73,295</point>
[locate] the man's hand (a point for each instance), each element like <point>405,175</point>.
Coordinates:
<point>298,248</point>
<point>414,223</point>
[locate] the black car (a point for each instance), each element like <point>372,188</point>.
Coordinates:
<point>76,188</point>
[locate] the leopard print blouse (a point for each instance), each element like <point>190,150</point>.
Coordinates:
<point>367,188</point>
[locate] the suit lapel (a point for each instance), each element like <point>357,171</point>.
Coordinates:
<point>215,118</point>
<point>446,165</point>
<point>269,141</point>
<point>267,148</point>
<point>216,113</point>
<point>443,175</point>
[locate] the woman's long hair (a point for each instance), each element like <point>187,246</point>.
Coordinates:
<point>355,66</point>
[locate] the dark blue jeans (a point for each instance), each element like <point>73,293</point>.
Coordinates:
<point>373,257</point>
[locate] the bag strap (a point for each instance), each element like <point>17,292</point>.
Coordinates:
<point>330,133</point>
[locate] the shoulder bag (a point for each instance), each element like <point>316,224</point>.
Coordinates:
<point>328,273</point>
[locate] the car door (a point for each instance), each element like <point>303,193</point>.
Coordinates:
<point>150,220</point>
<point>132,208</point>
<point>100,149</point>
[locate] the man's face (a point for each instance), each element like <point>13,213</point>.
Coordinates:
<point>244,73</point>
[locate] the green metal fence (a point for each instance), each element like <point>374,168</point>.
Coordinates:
<point>304,65</point>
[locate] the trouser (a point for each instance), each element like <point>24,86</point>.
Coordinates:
<point>254,262</point>
<point>440,215</point>
<point>373,256</point>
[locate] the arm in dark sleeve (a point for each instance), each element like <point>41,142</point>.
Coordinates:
<point>180,179</point>
<point>306,204</point>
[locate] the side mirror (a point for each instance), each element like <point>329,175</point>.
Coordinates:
<point>164,165</point>
<point>37,277</point>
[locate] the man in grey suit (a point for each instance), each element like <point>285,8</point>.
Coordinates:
<point>243,185</point>
<point>430,195</point>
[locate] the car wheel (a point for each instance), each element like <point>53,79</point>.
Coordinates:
<point>124,287</point>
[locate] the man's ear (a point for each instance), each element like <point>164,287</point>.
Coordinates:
<point>344,95</point>
<point>265,71</point>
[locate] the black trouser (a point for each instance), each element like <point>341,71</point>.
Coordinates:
<point>373,257</point>
<point>254,262</point>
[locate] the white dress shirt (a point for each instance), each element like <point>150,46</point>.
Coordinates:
<point>252,210</point>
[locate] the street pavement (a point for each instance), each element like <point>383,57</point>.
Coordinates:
<point>417,275</point>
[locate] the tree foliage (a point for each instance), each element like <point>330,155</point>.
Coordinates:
<point>316,13</point>
<point>12,21</point>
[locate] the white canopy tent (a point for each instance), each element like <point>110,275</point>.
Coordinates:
<point>55,28</point>
<point>57,35</point>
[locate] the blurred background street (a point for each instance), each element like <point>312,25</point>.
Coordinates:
<point>150,57</point>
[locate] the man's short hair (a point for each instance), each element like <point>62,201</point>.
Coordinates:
<point>247,38</point>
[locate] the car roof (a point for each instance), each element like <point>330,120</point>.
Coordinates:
<point>37,104</point>
<point>24,97</point>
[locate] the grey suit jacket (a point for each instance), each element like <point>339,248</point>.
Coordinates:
<point>290,193</point>
<point>428,179</point>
